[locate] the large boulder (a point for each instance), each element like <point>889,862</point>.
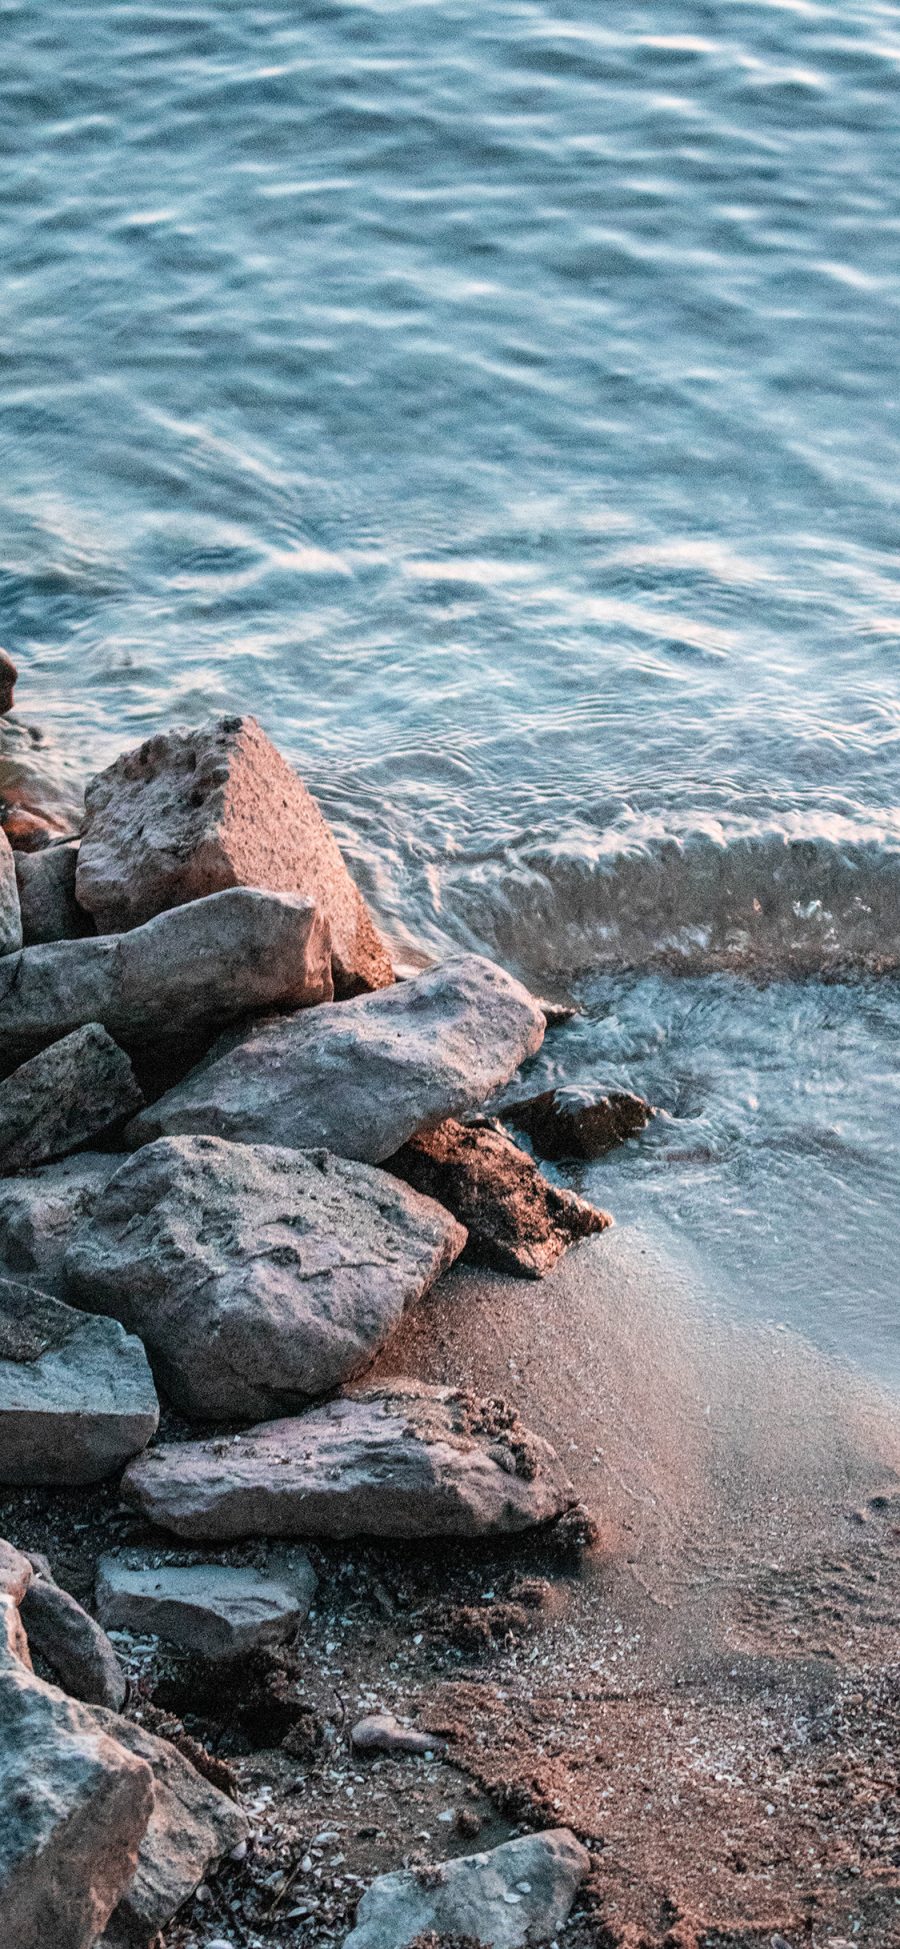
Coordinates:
<point>193,811</point>
<point>46,882</point>
<point>41,1210</point>
<point>216,1610</point>
<point>516,1219</point>
<point>516,1895</point>
<point>363,1076</point>
<point>64,1096</point>
<point>258,1278</point>
<point>76,1393</point>
<point>72,1643</point>
<point>399,1460</point>
<point>183,972</point>
<point>10,909</point>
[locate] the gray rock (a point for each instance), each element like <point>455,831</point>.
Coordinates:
<point>186,971</point>
<point>76,1393</point>
<point>8,675</point>
<point>399,1460</point>
<point>257,1278</point>
<point>209,1608</point>
<point>193,811</point>
<point>191,1825</point>
<point>40,1212</point>
<point>380,1732</point>
<point>73,1645</point>
<point>517,1894</point>
<point>46,882</point>
<point>63,1097</point>
<point>363,1076</point>
<point>10,911</point>
<point>76,1805</point>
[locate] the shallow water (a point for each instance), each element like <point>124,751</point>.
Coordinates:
<point>501,402</point>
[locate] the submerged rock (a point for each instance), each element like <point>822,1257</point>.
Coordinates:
<point>191,812</point>
<point>517,1894</point>
<point>40,794</point>
<point>73,1644</point>
<point>573,1123</point>
<point>8,677</point>
<point>258,1278</point>
<point>212,1609</point>
<point>46,881</point>
<point>361,1077</point>
<point>398,1460</point>
<point>516,1220</point>
<point>10,910</point>
<point>185,971</point>
<point>72,1091</point>
<point>76,1393</point>
<point>41,1210</point>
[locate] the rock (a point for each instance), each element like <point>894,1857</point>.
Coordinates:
<point>380,1732</point>
<point>13,1642</point>
<point>16,1572</point>
<point>40,793</point>
<point>185,971</point>
<point>516,1219</point>
<point>63,1097</point>
<point>399,1460</point>
<point>76,1394</point>
<point>208,1608</point>
<point>573,1123</point>
<point>257,1278</point>
<point>73,1645</point>
<point>8,675</point>
<point>193,811</point>
<point>362,1076</point>
<point>518,1894</point>
<point>40,1211</point>
<point>46,882</point>
<point>10,911</point>
<point>191,1826</point>
<point>76,1805</point>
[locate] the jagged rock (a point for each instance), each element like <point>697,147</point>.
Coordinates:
<point>212,1609</point>
<point>399,1460</point>
<point>516,1219</point>
<point>191,1825</point>
<point>8,676</point>
<point>380,1732</point>
<point>16,1572</point>
<point>41,1210</point>
<point>185,971</point>
<point>72,1644</point>
<point>362,1076</point>
<point>573,1123</point>
<point>10,910</point>
<point>76,1805</point>
<point>40,794</point>
<point>63,1097</point>
<point>76,1393</point>
<point>517,1894</point>
<point>193,811</point>
<point>46,882</point>
<point>258,1278</point>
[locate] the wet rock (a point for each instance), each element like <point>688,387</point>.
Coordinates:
<point>398,1460</point>
<point>46,882</point>
<point>573,1123</point>
<point>40,1211</point>
<point>362,1076</point>
<point>258,1278</point>
<point>193,811</point>
<point>380,1732</point>
<point>186,971</point>
<point>8,676</point>
<point>518,1894</point>
<point>516,1220</point>
<point>40,794</point>
<point>212,1609</point>
<point>10,912</point>
<point>69,1093</point>
<point>78,1652</point>
<point>76,1393</point>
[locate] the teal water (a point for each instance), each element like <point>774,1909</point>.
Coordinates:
<point>502,402</point>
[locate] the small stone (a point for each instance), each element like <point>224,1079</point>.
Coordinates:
<point>380,1732</point>
<point>76,1393</point>
<point>575,1123</point>
<point>73,1091</point>
<point>477,1896</point>
<point>212,1609</point>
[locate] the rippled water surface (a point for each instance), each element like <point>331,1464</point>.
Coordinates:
<point>501,401</point>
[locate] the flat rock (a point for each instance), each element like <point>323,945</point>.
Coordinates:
<point>212,1609</point>
<point>258,1278</point>
<point>399,1460</point>
<point>191,812</point>
<point>516,1895</point>
<point>380,1732</point>
<point>61,1098</point>
<point>76,1393</point>
<point>10,909</point>
<point>516,1220</point>
<point>8,676</point>
<point>361,1077</point>
<point>185,971</point>
<point>73,1644</point>
<point>576,1123</point>
<point>41,1210</point>
<point>46,883</point>
<point>191,1826</point>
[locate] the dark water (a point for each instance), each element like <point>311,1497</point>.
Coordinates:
<point>501,401</point>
